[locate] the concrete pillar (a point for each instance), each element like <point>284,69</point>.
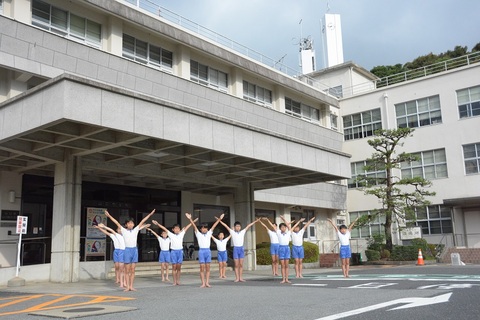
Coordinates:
<point>245,213</point>
<point>65,258</point>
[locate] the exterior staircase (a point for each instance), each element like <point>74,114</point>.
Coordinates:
<point>148,269</point>
<point>329,260</point>
<point>467,255</point>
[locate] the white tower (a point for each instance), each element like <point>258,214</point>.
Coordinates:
<point>307,55</point>
<point>332,31</point>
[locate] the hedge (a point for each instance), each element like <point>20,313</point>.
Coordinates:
<point>264,257</point>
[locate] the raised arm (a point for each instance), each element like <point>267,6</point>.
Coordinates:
<point>145,219</point>
<point>106,232</point>
<point>189,217</point>
<point>226,226</point>
<point>298,222</point>
<point>308,223</point>
<point>263,224</point>
<point>350,227</point>
<point>113,219</point>
<point>274,227</point>
<point>154,233</point>
<point>145,226</point>
<point>333,225</point>
<point>192,223</point>
<point>251,224</point>
<point>217,222</point>
<point>102,226</point>
<point>155,222</point>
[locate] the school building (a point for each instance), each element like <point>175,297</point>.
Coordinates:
<point>110,105</point>
<point>125,106</point>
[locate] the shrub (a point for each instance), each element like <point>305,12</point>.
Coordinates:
<point>404,253</point>
<point>376,242</point>
<point>264,257</point>
<point>385,254</point>
<point>422,244</point>
<point>372,255</point>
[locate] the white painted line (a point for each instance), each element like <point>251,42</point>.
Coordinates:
<point>310,284</point>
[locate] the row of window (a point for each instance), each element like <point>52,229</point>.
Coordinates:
<point>434,219</point>
<point>430,165</point>
<point>411,114</point>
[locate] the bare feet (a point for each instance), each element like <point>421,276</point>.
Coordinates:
<point>236,280</point>
<point>283,281</point>
<point>202,286</point>
<point>242,280</point>
<point>208,285</point>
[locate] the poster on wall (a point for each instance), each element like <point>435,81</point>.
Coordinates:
<point>95,242</point>
<point>95,216</point>
<point>95,247</point>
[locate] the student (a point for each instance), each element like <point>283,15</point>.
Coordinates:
<point>273,244</point>
<point>238,238</point>
<point>130,234</point>
<point>118,252</point>
<point>176,246</point>
<point>298,253</point>
<point>204,236</point>
<point>164,256</point>
<point>222,257</point>
<point>343,234</point>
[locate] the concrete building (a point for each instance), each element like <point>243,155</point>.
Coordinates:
<point>110,105</point>
<point>442,103</point>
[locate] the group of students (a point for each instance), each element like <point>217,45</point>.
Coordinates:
<point>125,255</point>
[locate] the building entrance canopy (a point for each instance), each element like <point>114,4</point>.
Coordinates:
<point>122,137</point>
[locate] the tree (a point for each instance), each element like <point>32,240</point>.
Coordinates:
<point>399,197</point>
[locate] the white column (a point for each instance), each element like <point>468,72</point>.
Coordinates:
<point>245,213</point>
<point>65,258</point>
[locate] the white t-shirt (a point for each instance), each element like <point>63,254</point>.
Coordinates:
<point>344,238</point>
<point>204,239</point>
<point>176,240</point>
<point>130,237</point>
<point>164,243</point>
<point>297,237</point>
<point>221,244</point>
<point>238,237</point>
<point>283,238</point>
<point>121,241</point>
<point>273,237</point>
<point>114,240</point>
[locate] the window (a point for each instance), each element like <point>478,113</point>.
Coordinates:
<point>336,91</point>
<point>418,113</point>
<point>376,177</point>
<point>208,76</point>
<point>146,53</point>
<point>307,215</point>
<point>469,102</point>
<point>434,219</point>
<point>471,156</point>
<point>257,94</point>
<point>366,231</point>
<point>333,121</point>
<point>66,24</point>
<point>430,165</point>
<point>362,125</point>
<point>1,6</point>
<point>300,110</point>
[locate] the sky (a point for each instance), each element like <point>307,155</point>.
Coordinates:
<point>375,32</point>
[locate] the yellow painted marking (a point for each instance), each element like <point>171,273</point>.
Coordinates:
<point>48,305</point>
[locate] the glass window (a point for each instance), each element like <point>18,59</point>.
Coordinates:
<point>375,177</point>
<point>468,102</point>
<point>146,53</point>
<point>300,110</point>
<point>254,93</point>
<point>208,76</point>
<point>361,125</point>
<point>430,165</point>
<point>418,113</point>
<point>434,219</point>
<point>471,156</point>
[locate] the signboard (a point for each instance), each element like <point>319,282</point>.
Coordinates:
<point>95,243</point>
<point>411,233</point>
<point>22,224</point>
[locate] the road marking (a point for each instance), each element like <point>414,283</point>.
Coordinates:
<point>54,300</point>
<point>310,284</point>
<point>412,302</point>
<point>371,285</point>
<point>445,286</point>
<point>407,277</point>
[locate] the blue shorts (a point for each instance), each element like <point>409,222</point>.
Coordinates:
<point>238,253</point>
<point>177,256</point>
<point>274,248</point>
<point>204,255</point>
<point>284,252</point>
<point>130,255</point>
<point>164,256</point>
<point>298,252</point>
<point>118,255</point>
<point>222,256</point>
<point>345,252</point>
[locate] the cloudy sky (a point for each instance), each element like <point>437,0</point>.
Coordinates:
<point>375,32</point>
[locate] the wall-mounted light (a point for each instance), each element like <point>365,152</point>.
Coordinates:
<point>11,196</point>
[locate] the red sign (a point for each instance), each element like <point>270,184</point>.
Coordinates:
<point>22,224</point>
